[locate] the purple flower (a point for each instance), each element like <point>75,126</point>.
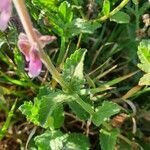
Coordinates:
<point>5,13</point>
<point>30,52</point>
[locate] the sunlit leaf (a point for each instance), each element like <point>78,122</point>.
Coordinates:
<point>144,65</point>
<point>106,7</point>
<point>50,140</point>
<point>145,80</point>
<point>47,110</point>
<point>46,4</point>
<point>56,140</point>
<point>65,12</point>
<point>144,55</point>
<point>73,70</point>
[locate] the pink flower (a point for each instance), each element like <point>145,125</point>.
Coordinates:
<point>30,52</point>
<point>5,13</point>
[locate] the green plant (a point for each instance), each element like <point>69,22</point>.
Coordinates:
<point>89,73</point>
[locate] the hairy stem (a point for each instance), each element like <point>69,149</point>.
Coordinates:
<point>27,24</point>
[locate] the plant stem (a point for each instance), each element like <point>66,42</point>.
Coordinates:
<point>62,51</point>
<point>118,8</point>
<point>27,24</point>
<point>87,107</point>
<point>125,139</point>
<point>79,41</point>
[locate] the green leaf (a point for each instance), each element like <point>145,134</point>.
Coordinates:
<point>56,140</point>
<point>144,55</point>
<point>65,12</point>
<point>49,108</point>
<point>78,110</point>
<point>76,141</point>
<point>58,115</point>
<point>50,140</point>
<point>64,26</point>
<point>104,112</point>
<point>31,111</point>
<point>57,24</point>
<point>78,26</point>
<point>120,17</point>
<point>57,16</point>
<point>45,108</point>
<point>49,105</point>
<point>108,139</point>
<point>145,80</point>
<point>73,70</point>
<point>106,7</point>
<point>43,91</point>
<point>44,4</point>
<point>85,26</point>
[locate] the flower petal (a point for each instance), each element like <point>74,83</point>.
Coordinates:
<point>30,50</point>
<point>35,66</point>
<point>4,19</point>
<point>5,13</point>
<point>25,47</point>
<point>23,36</point>
<point>4,4</point>
<point>46,39</point>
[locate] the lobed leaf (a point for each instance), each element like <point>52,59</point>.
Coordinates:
<point>73,70</point>
<point>108,139</point>
<point>65,12</point>
<point>50,140</point>
<point>144,55</point>
<point>77,141</point>
<point>104,112</point>
<point>56,140</point>
<point>47,110</point>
